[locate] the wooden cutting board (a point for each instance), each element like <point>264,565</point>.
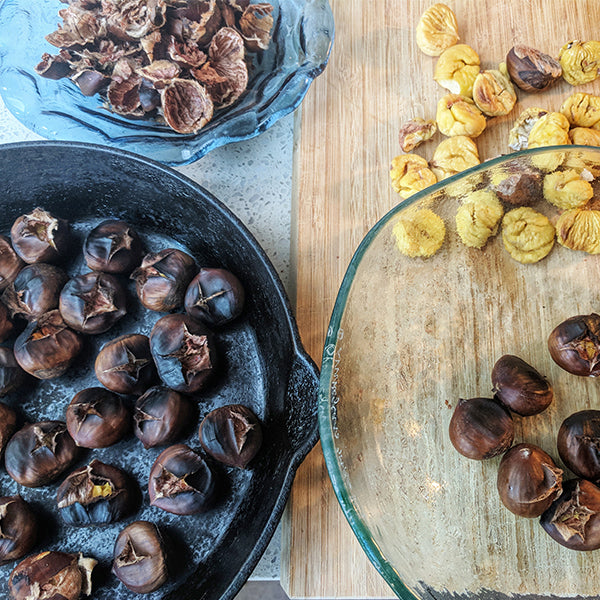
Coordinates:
<point>347,134</point>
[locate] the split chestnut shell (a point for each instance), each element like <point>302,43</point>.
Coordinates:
<point>574,345</point>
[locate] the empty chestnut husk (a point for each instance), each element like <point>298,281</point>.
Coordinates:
<point>93,302</point>
<point>18,525</point>
<point>47,347</point>
<point>35,291</point>
<point>125,365</point>
<point>96,495</point>
<point>162,279</point>
<point>481,428</point>
<point>183,352</point>
<point>574,345</point>
<point>12,377</point>
<point>160,416</point>
<point>573,519</point>
<point>214,296</point>
<point>231,434</point>
<point>52,576</point>
<point>10,262</point>
<point>97,418</point>
<point>39,452</point>
<point>6,324</point>
<point>520,387</point>
<point>140,560</point>
<point>8,425</point>
<point>181,482</point>
<point>113,247</point>
<point>578,443</point>
<point>40,237</point>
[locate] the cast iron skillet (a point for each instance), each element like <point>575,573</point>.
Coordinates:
<point>263,364</point>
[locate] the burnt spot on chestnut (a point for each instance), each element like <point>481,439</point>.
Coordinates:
<point>578,443</point>
<point>10,262</point>
<point>6,324</point>
<point>18,528</point>
<point>12,377</point>
<point>113,247</point>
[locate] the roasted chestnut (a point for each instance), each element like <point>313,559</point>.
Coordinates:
<point>96,495</point>
<point>97,418</point>
<point>231,434</point>
<point>12,376</point>
<point>35,291</point>
<point>124,365</point>
<point>140,560</point>
<point>215,297</point>
<point>160,416</point>
<point>6,324</point>
<point>39,453</point>
<point>93,302</point>
<point>47,347</point>
<point>578,443</point>
<point>10,262</point>
<point>181,482</point>
<point>40,237</point>
<point>481,428</point>
<point>52,576</point>
<point>183,352</point>
<point>113,247</point>
<point>573,519</point>
<point>8,425</point>
<point>162,279</point>
<point>520,387</point>
<point>574,345</point>
<point>18,525</point>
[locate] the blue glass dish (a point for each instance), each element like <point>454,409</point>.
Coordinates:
<point>279,78</point>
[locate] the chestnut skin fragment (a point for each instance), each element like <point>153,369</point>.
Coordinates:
<point>18,528</point>
<point>8,425</point>
<point>12,377</point>
<point>10,262</point>
<point>578,443</point>
<point>574,345</point>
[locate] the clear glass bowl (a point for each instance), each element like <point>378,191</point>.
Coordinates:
<point>279,79</point>
<point>410,336</point>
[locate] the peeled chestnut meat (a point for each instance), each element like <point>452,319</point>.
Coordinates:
<point>8,425</point>
<point>39,236</point>
<point>35,291</point>
<point>97,418</point>
<point>231,434</point>
<point>125,365</point>
<point>578,443</point>
<point>140,560</point>
<point>574,345</point>
<point>481,428</point>
<point>96,495</point>
<point>39,452</point>
<point>162,279</point>
<point>181,482</point>
<point>18,527</point>
<point>12,377</point>
<point>573,519</point>
<point>10,262</point>
<point>47,347</point>
<point>160,416</point>
<point>52,576</point>
<point>520,387</point>
<point>183,352</point>
<point>93,302</point>
<point>113,247</point>
<point>215,297</point>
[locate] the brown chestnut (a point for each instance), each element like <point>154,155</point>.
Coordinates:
<point>181,482</point>
<point>47,347</point>
<point>10,262</point>
<point>183,352</point>
<point>160,416</point>
<point>8,425</point>
<point>532,70</point>
<point>574,345</point>
<point>578,443</point>
<point>520,387</point>
<point>573,519</point>
<point>93,302</point>
<point>162,279</point>
<point>12,377</point>
<point>37,454</point>
<point>113,247</point>
<point>6,324</point>
<point>124,365</point>
<point>18,525</point>
<point>140,560</point>
<point>231,434</point>
<point>97,418</point>
<point>481,428</point>
<point>40,237</point>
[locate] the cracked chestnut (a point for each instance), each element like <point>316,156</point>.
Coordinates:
<point>181,482</point>
<point>12,377</point>
<point>574,345</point>
<point>8,425</point>
<point>93,302</point>
<point>113,247</point>
<point>532,70</point>
<point>578,443</point>
<point>18,528</point>
<point>6,324</point>
<point>140,560</point>
<point>10,262</point>
<point>125,365</point>
<point>97,418</point>
<point>39,452</point>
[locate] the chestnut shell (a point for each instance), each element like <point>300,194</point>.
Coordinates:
<point>6,324</point>
<point>18,525</point>
<point>578,443</point>
<point>8,425</point>
<point>10,262</point>
<point>12,377</point>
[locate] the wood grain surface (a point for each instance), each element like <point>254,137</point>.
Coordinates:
<point>347,135</point>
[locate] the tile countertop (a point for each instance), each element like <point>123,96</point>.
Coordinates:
<point>254,179</point>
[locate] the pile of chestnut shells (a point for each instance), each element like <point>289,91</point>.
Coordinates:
<point>529,482</point>
<point>48,315</point>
